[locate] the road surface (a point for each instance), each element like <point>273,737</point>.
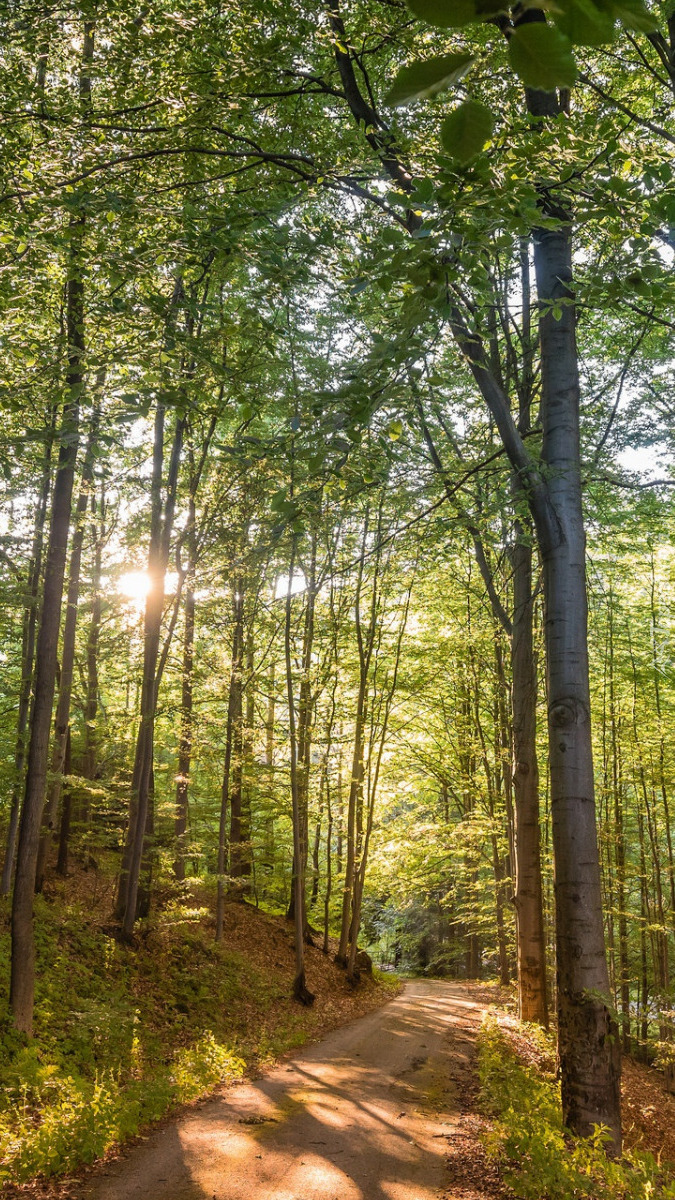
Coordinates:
<point>362,1115</point>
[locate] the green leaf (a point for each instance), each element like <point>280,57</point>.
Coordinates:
<point>585,24</point>
<point>634,15</point>
<point>423,79</point>
<point>424,192</point>
<point>395,430</point>
<point>542,56</point>
<point>449,14</point>
<point>280,501</point>
<point>466,130</point>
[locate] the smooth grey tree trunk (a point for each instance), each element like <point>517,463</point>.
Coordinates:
<point>528,898</point>
<point>528,889</point>
<point>588,1040</point>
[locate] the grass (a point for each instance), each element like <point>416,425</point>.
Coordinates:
<point>540,1159</point>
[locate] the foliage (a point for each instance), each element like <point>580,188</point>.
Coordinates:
<point>113,1049</point>
<point>541,1159</point>
<point>313,358</point>
<point>51,1123</point>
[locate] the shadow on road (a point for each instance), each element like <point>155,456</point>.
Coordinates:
<point>361,1116</point>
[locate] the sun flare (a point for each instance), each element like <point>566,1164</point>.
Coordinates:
<point>134,586</point>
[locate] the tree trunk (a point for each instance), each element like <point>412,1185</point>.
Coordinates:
<point>304,725</point>
<point>233,707</point>
<point>588,1042</point>
<point>300,990</point>
<point>377,736</point>
<point>248,765</point>
<point>531,941</point>
<point>236,717</point>
<point>186,719</point>
<point>28,657</point>
<point>68,648</point>
<point>158,558</point>
<point>22,986</point>
<point>329,863</point>
<point>316,848</point>
<point>269,836</point>
<point>587,1036</point>
<point>161,529</point>
<point>528,891</point>
<point>89,762</point>
<point>356,777</point>
<point>185,742</point>
<point>339,806</point>
<point>64,828</point>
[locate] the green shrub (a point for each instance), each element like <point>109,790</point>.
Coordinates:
<point>540,1158</point>
<point>199,1068</point>
<point>53,1122</point>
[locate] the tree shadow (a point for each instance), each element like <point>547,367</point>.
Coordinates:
<point>356,1117</point>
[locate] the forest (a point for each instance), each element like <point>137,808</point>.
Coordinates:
<point>336,559</point>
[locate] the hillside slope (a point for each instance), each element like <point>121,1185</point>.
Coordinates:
<point>123,1034</point>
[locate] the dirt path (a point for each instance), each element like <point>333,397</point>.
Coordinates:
<point>363,1115</point>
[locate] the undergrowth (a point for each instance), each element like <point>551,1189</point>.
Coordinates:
<point>121,1036</point>
<point>539,1157</point>
<point>53,1122</point>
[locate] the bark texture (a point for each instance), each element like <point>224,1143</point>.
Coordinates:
<point>531,939</point>
<point>588,1040</point>
<point>28,660</point>
<point>62,719</point>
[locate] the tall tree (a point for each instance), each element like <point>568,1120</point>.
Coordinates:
<point>22,984</point>
<point>588,1045</point>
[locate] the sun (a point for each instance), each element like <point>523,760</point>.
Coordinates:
<point>134,587</point>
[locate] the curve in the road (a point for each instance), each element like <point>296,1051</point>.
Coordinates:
<point>359,1116</point>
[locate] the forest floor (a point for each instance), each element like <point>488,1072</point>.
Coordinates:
<point>367,1114</point>
<point>385,1107</point>
<point>125,1035</point>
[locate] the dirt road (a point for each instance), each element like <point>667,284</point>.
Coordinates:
<point>361,1116</point>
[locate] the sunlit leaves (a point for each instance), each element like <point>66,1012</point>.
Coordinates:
<point>634,15</point>
<point>449,14</point>
<point>585,24</point>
